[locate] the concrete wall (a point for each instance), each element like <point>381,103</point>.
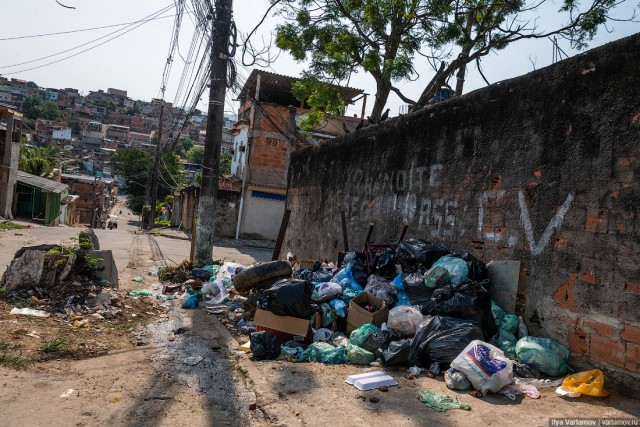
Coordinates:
<point>544,168</point>
<point>262,217</point>
<point>185,207</point>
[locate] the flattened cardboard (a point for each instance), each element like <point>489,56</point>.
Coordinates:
<point>358,316</point>
<point>292,326</point>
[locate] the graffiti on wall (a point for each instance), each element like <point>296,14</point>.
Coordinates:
<point>408,194</point>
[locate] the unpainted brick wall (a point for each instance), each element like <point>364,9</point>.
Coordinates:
<point>544,168</point>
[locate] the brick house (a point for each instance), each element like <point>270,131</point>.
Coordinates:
<point>264,137</point>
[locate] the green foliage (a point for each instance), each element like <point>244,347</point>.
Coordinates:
<point>320,96</point>
<point>183,146</point>
<point>311,120</point>
<point>225,164</point>
<point>50,110</point>
<point>32,85</point>
<point>8,225</point>
<point>56,345</point>
<point>195,154</point>
<point>163,223</point>
<point>122,110</point>
<point>133,165</point>
<point>32,106</point>
<point>110,105</point>
<point>197,179</point>
<point>36,161</point>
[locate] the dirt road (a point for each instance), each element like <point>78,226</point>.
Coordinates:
<point>188,370</point>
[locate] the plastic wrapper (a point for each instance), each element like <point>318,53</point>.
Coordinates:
<point>468,300</point>
<point>547,356</point>
<point>381,288</point>
<point>359,356</point>
<point>441,339</point>
<point>360,336</point>
<point>456,380</point>
<point>457,268</point>
<point>288,297</point>
<point>294,351</point>
<point>397,353</point>
<point>326,353</point>
<point>413,254</point>
<point>328,316</point>
<point>358,269</point>
<point>325,291</point>
<point>349,294</point>
<point>484,366</point>
<point>436,277</point>
<point>263,345</point>
<point>590,383</point>
<point>404,321</point>
<point>322,334</point>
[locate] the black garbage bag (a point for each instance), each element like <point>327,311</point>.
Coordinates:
<point>358,268</point>
<point>397,353</point>
<point>380,341</point>
<point>477,269</point>
<point>386,263</point>
<point>417,291</point>
<point>201,273</point>
<point>288,297</point>
<point>414,254</point>
<point>321,275</point>
<point>467,300</point>
<point>263,345</point>
<point>441,339</point>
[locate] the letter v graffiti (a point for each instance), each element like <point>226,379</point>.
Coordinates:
<point>554,224</point>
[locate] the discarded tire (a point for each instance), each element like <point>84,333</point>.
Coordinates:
<point>248,278</point>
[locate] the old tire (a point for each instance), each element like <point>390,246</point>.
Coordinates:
<point>248,278</point>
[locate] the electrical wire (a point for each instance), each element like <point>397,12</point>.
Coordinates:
<point>75,54</point>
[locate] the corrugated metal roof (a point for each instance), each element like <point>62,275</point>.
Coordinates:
<point>42,183</point>
<point>276,89</point>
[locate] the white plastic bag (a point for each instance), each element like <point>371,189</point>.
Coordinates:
<point>484,366</point>
<point>404,320</point>
<point>222,295</point>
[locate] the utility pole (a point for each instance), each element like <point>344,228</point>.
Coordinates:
<point>211,165</point>
<point>155,171</point>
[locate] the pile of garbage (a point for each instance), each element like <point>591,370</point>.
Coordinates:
<point>419,306</point>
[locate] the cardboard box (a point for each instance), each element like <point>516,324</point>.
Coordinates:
<point>358,316</point>
<point>284,328</point>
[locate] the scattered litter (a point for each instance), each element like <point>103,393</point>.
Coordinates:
<point>567,393</point>
<point>140,293</point>
<point>29,312</point>
<point>371,380</point>
<point>69,393</point>
<point>137,279</point>
<point>590,383</point>
<point>441,402</point>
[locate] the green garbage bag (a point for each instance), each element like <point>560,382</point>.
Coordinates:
<point>359,356</point>
<point>457,268</point>
<point>294,351</point>
<point>506,342</point>
<point>326,353</point>
<point>361,335</point>
<point>547,356</point>
<point>140,293</point>
<point>441,402</point>
<point>508,322</point>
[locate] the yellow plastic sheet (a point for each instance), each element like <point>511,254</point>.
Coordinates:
<point>590,383</point>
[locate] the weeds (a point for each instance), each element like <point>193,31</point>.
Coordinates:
<point>7,346</point>
<point>12,361</point>
<point>54,346</point>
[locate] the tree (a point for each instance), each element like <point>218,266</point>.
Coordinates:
<point>110,105</point>
<point>183,146</point>
<point>122,110</point>
<point>36,161</point>
<point>225,163</point>
<point>50,110</point>
<point>195,154</point>
<point>383,37</point>
<point>133,164</point>
<point>32,107</point>
<point>32,85</point>
<point>320,97</point>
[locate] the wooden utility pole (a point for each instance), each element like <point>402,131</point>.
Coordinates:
<point>155,172</point>
<point>215,117</point>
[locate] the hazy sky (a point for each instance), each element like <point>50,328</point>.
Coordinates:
<point>135,61</point>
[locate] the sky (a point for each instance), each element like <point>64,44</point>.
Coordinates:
<point>135,61</point>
